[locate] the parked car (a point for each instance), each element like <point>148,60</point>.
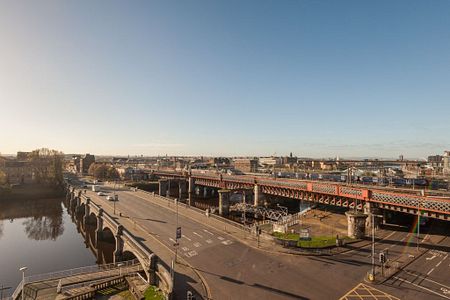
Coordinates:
<point>110,198</point>
<point>101,194</point>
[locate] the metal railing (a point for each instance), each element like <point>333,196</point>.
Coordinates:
<point>70,272</point>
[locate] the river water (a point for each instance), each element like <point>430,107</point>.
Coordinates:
<point>40,235</point>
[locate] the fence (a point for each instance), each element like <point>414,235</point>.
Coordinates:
<point>72,272</point>
<point>199,211</point>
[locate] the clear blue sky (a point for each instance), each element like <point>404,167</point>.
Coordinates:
<point>318,78</point>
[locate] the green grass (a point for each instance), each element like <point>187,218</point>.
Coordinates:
<point>152,294</point>
<point>314,242</point>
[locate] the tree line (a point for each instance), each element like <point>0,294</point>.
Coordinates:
<point>103,171</point>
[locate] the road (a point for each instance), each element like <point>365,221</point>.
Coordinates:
<point>234,270</point>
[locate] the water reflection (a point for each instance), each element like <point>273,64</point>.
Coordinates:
<point>43,217</point>
<point>103,248</point>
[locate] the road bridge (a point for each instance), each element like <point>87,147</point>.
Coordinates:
<point>126,245</point>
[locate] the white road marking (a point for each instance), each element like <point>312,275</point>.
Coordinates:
<point>185,249</point>
<point>172,240</point>
<point>197,244</point>
<point>427,279</point>
<point>439,263</point>
<point>191,253</point>
<point>197,234</point>
<point>431,258</point>
<point>209,241</point>
<point>208,232</point>
<point>419,286</point>
<point>429,272</point>
<point>186,238</point>
<point>227,242</point>
<point>220,238</point>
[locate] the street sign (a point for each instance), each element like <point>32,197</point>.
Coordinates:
<point>304,234</point>
<point>178,233</point>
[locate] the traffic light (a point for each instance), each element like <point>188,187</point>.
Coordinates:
<point>382,258</point>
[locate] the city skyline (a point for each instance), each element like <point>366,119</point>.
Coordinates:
<point>319,79</point>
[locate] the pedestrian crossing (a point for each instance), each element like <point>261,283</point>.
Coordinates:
<point>198,240</point>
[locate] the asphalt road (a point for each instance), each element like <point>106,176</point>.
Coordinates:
<point>234,270</point>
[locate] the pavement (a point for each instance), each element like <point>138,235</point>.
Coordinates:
<point>233,268</point>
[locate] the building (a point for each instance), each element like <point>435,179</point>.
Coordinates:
<point>16,171</point>
<point>246,165</point>
<point>270,161</point>
<point>446,163</point>
<point>85,163</point>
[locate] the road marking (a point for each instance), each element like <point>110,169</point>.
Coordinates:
<point>419,286</point>
<point>172,240</point>
<point>429,272</point>
<point>439,263</point>
<point>431,258</point>
<point>209,241</point>
<point>208,232</point>
<point>197,244</point>
<point>186,238</point>
<point>197,234</point>
<point>365,291</point>
<point>191,253</point>
<point>227,242</point>
<point>427,279</point>
<point>185,249</point>
<point>220,238</point>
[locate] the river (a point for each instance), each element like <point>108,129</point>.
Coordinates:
<point>40,235</point>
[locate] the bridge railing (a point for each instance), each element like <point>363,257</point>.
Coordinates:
<point>70,272</point>
<point>200,211</point>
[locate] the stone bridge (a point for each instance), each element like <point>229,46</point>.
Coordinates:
<point>126,245</point>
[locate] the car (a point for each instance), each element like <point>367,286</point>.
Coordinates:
<point>101,194</point>
<point>110,198</point>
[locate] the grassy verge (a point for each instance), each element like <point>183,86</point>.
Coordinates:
<point>314,242</point>
<point>152,294</point>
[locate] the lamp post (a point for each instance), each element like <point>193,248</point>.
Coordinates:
<point>23,269</point>
<point>373,243</point>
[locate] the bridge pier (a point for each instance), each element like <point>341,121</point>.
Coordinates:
<point>257,195</point>
<point>182,189</point>
<point>356,222</point>
<point>87,210</point>
<point>369,209</point>
<point>119,244</point>
<point>224,202</point>
<point>162,187</point>
<point>99,230</point>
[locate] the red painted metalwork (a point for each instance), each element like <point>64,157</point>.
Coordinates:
<point>322,192</point>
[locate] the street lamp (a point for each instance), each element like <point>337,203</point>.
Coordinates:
<point>23,269</point>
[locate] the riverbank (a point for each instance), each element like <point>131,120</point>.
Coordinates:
<point>31,191</point>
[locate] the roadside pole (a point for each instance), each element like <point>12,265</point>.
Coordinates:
<point>373,244</point>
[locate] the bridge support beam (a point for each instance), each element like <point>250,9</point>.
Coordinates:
<point>224,202</point>
<point>356,222</point>
<point>151,272</point>
<point>163,187</point>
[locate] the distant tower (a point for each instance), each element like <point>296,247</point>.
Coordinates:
<point>400,158</point>
<point>291,154</point>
